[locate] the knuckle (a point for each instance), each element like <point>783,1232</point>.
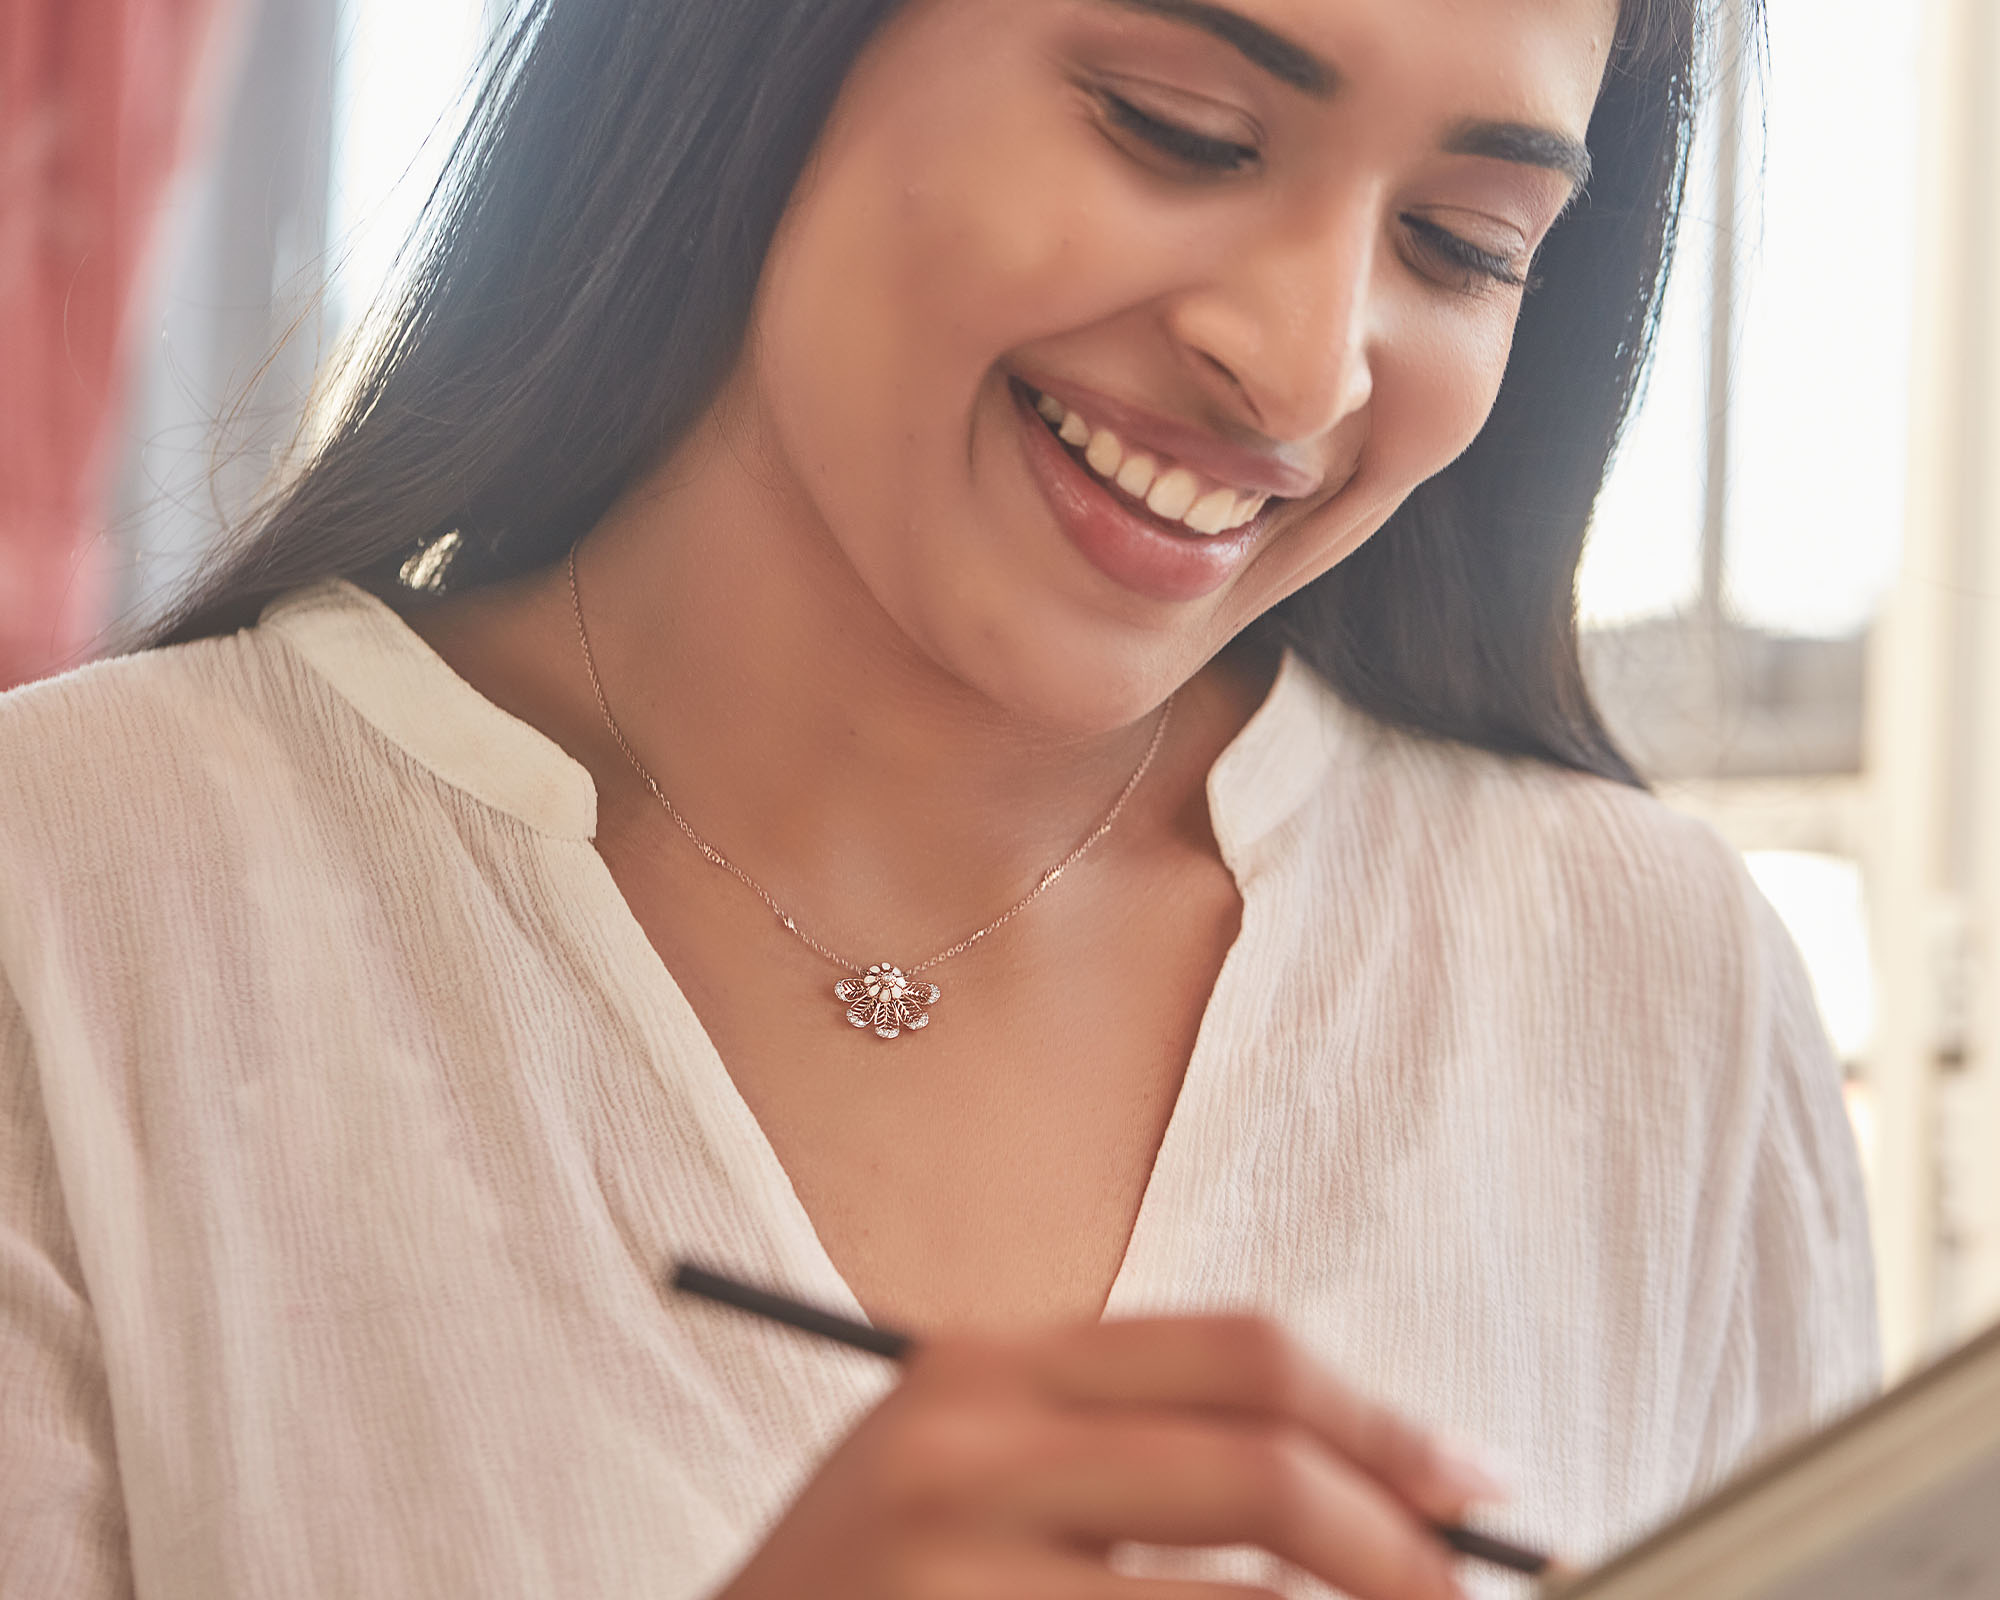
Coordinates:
<point>1278,1475</point>
<point>1412,1455</point>
<point>936,1456</point>
<point>1395,1450</point>
<point>1269,1361</point>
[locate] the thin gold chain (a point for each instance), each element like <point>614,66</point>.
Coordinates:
<point>1042,884</point>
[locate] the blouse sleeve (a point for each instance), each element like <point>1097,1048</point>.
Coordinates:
<point>62,1525</point>
<point>1802,1344</point>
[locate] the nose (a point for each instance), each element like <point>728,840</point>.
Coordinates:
<point>1283,323</point>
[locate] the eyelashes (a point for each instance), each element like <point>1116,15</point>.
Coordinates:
<point>1183,143</point>
<point>1463,264</point>
<point>1466,256</point>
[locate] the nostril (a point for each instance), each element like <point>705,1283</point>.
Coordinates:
<point>1244,395</point>
<point>1221,369</point>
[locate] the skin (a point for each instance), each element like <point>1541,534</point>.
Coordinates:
<point>843,626</point>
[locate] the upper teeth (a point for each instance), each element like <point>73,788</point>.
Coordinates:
<point>1169,490</point>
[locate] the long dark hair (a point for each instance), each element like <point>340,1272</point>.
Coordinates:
<point>587,276</point>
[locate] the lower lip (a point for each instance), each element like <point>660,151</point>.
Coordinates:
<point>1132,548</point>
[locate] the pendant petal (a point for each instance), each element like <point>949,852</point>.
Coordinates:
<point>886,1008</point>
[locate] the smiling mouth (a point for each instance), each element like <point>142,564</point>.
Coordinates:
<point>1168,493</point>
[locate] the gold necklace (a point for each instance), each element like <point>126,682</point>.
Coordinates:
<point>882,995</point>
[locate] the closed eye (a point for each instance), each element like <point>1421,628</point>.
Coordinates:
<point>1184,144</point>
<point>1473,265</point>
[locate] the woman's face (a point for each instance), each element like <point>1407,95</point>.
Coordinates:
<point>1097,327</point>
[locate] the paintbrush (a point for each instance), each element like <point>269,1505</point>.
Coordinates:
<point>690,1279</point>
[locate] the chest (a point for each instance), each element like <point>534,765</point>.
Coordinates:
<point>987,1168</point>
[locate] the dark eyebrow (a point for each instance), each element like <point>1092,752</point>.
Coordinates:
<point>1286,61</point>
<point>1525,143</point>
<point>1294,64</point>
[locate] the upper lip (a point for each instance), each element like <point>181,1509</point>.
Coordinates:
<point>1238,466</point>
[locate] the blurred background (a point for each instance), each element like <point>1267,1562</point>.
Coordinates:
<point>1790,593</point>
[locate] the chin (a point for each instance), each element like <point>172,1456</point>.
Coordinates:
<point>1076,681</point>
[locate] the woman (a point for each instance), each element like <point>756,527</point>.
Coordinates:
<point>1074,505</point>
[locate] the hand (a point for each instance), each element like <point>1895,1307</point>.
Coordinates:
<point>1007,1470</point>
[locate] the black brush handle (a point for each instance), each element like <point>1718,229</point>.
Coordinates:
<point>1484,1547</point>
<point>792,1313</point>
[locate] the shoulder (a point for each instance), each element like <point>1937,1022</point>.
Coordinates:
<point>152,779</point>
<point>129,689</point>
<point>1549,854</point>
<point>1622,945</point>
<point>95,741</point>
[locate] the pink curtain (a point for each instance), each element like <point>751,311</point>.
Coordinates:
<point>95,98</point>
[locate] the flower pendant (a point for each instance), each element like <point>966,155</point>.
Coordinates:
<point>883,999</point>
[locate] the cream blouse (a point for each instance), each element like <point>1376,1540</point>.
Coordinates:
<point>347,1119</point>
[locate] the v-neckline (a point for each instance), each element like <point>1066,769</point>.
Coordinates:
<point>395,680</point>
<point>717,1096</point>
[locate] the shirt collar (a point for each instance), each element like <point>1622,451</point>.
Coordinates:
<point>380,666</point>
<point>1276,763</point>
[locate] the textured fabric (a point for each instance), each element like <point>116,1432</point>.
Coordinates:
<point>347,1118</point>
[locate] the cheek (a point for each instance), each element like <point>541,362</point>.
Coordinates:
<point>1435,390</point>
<point>1435,383</point>
<point>859,371</point>
<point>951,219</point>
<point>930,240</point>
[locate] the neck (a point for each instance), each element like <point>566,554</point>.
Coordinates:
<point>803,736</point>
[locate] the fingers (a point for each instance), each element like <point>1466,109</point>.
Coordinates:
<point>1183,1589</point>
<point>1250,1366</point>
<point>1189,1432</point>
<point>1095,1583</point>
<point>1163,1479</point>
<point>970,1572</point>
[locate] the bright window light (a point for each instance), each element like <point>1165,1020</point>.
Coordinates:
<point>1818,412</point>
<point>1820,437</point>
<point>401,91</point>
<point>1819,899</point>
